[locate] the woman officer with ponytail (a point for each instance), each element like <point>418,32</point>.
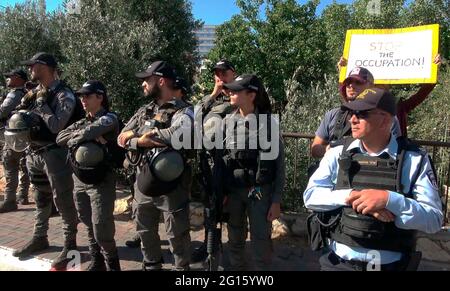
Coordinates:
<point>255,171</point>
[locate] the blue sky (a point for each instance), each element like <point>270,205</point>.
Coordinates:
<point>210,11</point>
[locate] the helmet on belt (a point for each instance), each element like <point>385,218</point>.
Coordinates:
<point>19,130</point>
<point>88,162</point>
<point>89,154</point>
<point>161,172</point>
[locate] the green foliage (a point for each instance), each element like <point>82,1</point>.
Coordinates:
<point>176,23</point>
<point>274,47</point>
<point>25,30</point>
<point>110,40</point>
<point>99,44</point>
<point>308,105</point>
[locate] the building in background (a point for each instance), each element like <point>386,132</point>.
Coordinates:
<point>206,37</point>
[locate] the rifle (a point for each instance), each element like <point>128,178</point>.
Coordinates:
<point>214,205</point>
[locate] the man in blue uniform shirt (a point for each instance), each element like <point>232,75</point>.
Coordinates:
<point>376,191</point>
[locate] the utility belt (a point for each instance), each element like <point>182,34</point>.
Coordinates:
<point>247,170</point>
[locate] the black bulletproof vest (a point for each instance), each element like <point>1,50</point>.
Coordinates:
<point>357,171</point>
<point>244,166</point>
<point>44,133</point>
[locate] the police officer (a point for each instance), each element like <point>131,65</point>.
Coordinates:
<point>88,141</point>
<point>14,161</point>
<point>180,92</point>
<point>335,124</point>
<point>216,104</point>
<point>375,192</point>
<point>150,130</point>
<point>181,88</point>
<point>56,106</point>
<point>255,171</point>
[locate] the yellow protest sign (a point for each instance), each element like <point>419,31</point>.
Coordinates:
<point>394,56</point>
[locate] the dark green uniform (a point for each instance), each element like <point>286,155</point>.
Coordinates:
<point>173,205</point>
<point>48,166</point>
<point>14,161</point>
<point>95,203</point>
<point>242,167</point>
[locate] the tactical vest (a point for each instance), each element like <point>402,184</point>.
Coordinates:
<point>160,118</point>
<point>147,182</point>
<point>44,134</point>
<point>358,171</point>
<point>220,106</point>
<point>341,129</point>
<point>245,167</point>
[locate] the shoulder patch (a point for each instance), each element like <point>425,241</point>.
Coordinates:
<point>189,111</point>
<point>106,120</point>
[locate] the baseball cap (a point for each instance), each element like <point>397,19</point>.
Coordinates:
<point>247,81</point>
<point>41,58</point>
<point>224,65</point>
<point>158,68</point>
<point>17,72</point>
<point>92,87</point>
<point>373,99</point>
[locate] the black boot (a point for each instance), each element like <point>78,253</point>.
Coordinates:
<point>199,254</point>
<point>97,259</point>
<point>60,263</point>
<point>156,266</point>
<point>23,200</point>
<point>135,242</point>
<point>8,206</point>
<point>36,244</point>
<point>113,264</point>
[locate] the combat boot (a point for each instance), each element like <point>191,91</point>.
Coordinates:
<point>36,244</point>
<point>157,266</point>
<point>8,206</point>
<point>23,200</point>
<point>60,263</point>
<point>97,259</point>
<point>135,242</point>
<point>199,254</point>
<point>114,264</point>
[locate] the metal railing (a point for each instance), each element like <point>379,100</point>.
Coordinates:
<point>298,159</point>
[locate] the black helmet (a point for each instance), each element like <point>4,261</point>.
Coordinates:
<point>88,162</point>
<point>160,174</point>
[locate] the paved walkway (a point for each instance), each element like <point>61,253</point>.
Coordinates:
<point>16,228</point>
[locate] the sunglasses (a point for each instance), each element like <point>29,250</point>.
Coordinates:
<point>354,82</point>
<point>363,114</point>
